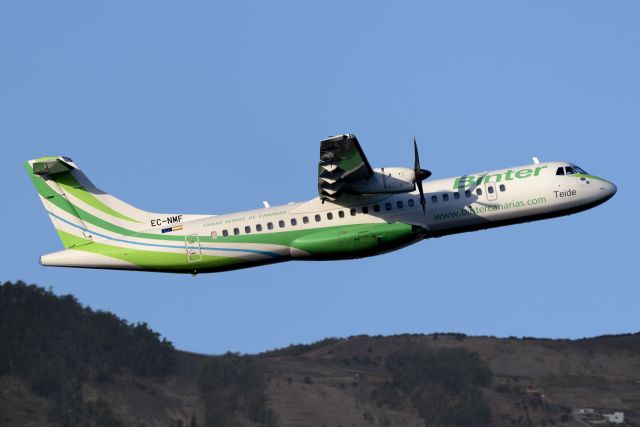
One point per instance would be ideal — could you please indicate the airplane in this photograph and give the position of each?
(360, 211)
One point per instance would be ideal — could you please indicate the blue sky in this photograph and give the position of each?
(205, 107)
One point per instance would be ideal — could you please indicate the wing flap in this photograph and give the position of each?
(341, 161)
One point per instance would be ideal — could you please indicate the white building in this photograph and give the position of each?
(614, 417)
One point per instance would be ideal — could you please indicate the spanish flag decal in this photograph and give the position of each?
(170, 229)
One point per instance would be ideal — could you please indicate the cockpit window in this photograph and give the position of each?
(570, 170)
(579, 170)
(560, 171)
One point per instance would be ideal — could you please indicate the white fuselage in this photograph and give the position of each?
(476, 206)
(357, 226)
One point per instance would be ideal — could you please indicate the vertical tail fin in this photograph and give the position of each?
(62, 213)
(80, 212)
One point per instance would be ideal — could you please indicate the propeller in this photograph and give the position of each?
(419, 175)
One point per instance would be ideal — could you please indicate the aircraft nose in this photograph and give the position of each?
(609, 188)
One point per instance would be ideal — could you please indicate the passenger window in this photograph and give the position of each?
(479, 191)
(258, 227)
(445, 197)
(411, 203)
(490, 189)
(305, 220)
(387, 206)
(236, 231)
(225, 233)
(341, 214)
(329, 216)
(467, 193)
(281, 224)
(214, 235)
(399, 204)
(365, 210)
(317, 218)
(434, 199)
(270, 225)
(247, 229)
(560, 171)
(502, 187)
(456, 195)
(294, 222)
(352, 212)
(376, 208)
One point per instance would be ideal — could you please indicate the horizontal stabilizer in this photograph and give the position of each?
(83, 258)
(52, 165)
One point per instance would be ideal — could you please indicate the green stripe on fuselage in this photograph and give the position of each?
(155, 260)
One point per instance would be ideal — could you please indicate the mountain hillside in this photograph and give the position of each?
(64, 364)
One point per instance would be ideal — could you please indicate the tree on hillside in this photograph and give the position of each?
(231, 384)
(57, 345)
(443, 385)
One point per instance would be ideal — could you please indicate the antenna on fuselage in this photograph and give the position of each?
(535, 160)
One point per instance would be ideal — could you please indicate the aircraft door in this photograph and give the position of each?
(192, 245)
(491, 190)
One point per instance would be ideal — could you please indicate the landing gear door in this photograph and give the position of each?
(192, 245)
(491, 191)
(364, 240)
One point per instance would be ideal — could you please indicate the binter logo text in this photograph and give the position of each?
(471, 180)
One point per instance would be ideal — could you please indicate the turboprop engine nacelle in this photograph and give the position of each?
(385, 180)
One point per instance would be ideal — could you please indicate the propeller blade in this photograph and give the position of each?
(423, 201)
(416, 156)
(419, 175)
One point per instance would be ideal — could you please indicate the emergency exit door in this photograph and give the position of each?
(192, 245)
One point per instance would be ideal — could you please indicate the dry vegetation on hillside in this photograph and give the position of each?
(62, 364)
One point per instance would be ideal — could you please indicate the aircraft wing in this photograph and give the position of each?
(342, 162)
